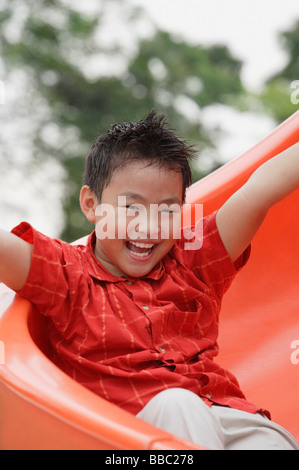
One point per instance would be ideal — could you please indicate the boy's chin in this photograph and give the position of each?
(137, 273)
(138, 270)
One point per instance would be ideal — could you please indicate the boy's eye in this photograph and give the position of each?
(168, 211)
(171, 210)
(162, 209)
(132, 208)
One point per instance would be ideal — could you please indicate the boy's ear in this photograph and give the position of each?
(88, 203)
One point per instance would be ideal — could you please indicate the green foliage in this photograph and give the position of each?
(53, 44)
(276, 95)
(276, 99)
(290, 41)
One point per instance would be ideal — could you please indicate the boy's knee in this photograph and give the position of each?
(184, 414)
(174, 399)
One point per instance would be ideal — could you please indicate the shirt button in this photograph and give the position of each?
(129, 282)
(145, 307)
(162, 350)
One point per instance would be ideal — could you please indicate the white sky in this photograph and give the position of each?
(249, 27)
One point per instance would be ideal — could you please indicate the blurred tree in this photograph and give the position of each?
(276, 95)
(70, 67)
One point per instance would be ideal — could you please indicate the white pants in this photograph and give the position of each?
(184, 414)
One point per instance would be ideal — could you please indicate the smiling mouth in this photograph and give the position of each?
(141, 250)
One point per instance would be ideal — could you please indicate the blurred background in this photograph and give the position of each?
(221, 71)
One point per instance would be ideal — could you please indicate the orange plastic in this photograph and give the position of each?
(42, 408)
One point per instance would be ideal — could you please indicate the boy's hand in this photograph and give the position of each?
(241, 216)
(15, 260)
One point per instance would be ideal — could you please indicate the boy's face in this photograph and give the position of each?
(138, 219)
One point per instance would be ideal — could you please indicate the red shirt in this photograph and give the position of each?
(128, 339)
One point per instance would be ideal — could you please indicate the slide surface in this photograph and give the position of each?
(42, 408)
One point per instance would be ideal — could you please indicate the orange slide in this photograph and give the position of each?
(42, 408)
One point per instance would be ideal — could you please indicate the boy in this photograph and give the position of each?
(133, 316)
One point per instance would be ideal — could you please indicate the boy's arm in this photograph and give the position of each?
(241, 216)
(15, 260)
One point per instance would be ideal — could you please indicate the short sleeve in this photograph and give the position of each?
(49, 284)
(209, 260)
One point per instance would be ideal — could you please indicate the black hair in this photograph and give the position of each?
(149, 139)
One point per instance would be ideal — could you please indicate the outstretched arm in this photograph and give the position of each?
(241, 216)
(15, 260)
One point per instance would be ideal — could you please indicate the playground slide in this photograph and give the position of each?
(42, 408)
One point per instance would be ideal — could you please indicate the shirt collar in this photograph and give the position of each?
(99, 272)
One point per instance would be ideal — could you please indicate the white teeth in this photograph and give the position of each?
(142, 245)
(148, 246)
(141, 254)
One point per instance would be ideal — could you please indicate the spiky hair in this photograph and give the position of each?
(149, 139)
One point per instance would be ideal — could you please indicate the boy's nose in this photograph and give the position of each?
(154, 227)
(149, 226)
(145, 226)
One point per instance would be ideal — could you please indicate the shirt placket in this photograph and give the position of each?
(144, 298)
